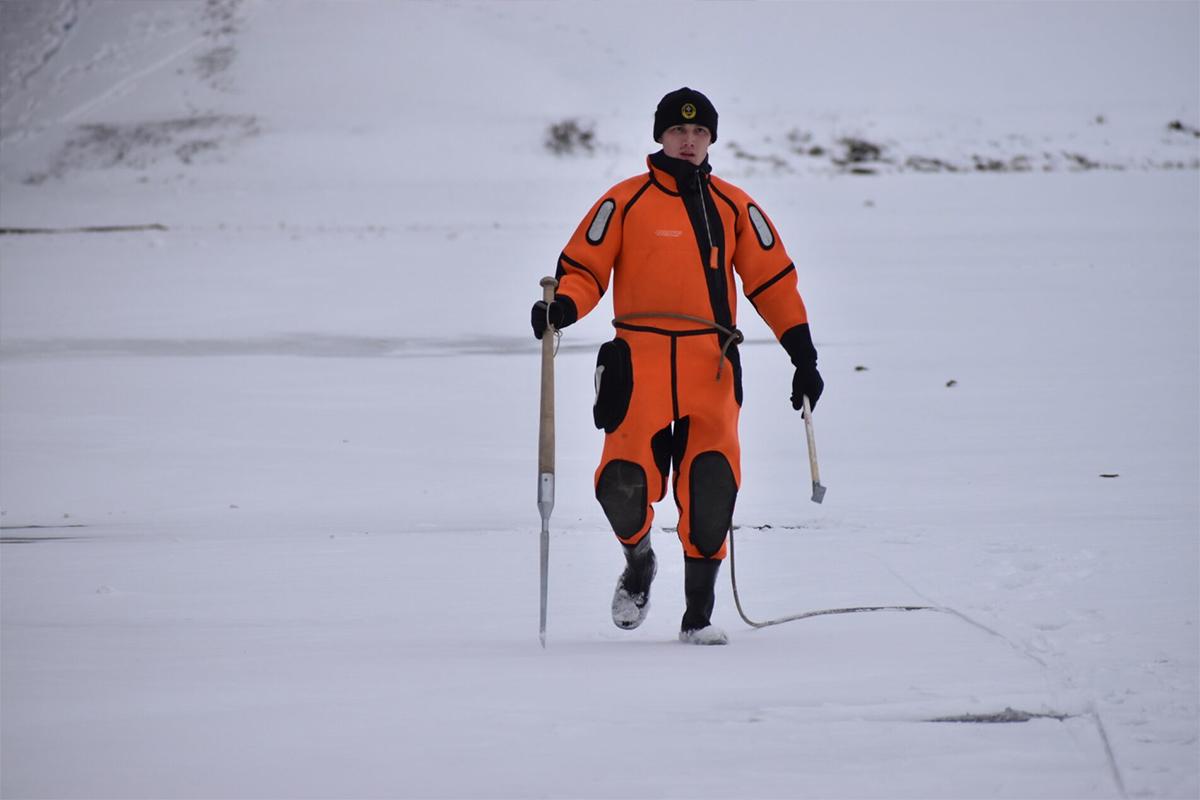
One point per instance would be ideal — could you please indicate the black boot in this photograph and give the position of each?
(699, 582)
(631, 600)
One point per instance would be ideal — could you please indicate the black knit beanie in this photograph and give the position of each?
(684, 107)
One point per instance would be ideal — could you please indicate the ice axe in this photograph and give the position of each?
(818, 490)
(545, 492)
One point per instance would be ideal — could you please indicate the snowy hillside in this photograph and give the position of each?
(268, 402)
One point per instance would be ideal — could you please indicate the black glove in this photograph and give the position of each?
(807, 381)
(561, 314)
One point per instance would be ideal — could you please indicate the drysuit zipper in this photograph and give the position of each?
(713, 255)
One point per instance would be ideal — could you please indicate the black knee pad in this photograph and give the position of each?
(714, 492)
(621, 491)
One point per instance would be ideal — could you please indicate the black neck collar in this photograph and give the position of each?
(678, 167)
(685, 173)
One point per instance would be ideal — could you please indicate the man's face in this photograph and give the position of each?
(688, 142)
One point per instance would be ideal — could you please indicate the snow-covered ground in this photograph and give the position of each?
(267, 468)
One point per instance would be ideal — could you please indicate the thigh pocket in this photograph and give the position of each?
(614, 384)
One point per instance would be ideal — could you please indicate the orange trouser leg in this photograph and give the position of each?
(631, 475)
(679, 416)
(708, 472)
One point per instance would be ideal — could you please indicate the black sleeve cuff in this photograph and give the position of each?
(570, 314)
(798, 343)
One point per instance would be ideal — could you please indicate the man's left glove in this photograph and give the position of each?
(560, 314)
(798, 343)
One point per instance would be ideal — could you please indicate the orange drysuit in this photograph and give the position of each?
(669, 386)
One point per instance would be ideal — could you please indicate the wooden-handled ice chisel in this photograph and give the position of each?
(818, 490)
(545, 493)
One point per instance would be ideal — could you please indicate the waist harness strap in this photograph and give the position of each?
(731, 336)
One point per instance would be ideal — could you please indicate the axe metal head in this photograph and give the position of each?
(818, 492)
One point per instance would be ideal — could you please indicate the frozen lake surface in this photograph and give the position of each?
(267, 468)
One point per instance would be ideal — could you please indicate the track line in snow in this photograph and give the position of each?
(292, 345)
(128, 80)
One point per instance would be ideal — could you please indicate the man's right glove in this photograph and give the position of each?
(561, 313)
(798, 343)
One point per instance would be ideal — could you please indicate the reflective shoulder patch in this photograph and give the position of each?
(599, 226)
(762, 229)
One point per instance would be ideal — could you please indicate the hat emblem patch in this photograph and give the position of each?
(688, 111)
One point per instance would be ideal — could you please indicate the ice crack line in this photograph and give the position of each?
(1009, 714)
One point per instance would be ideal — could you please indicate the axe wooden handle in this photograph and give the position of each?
(546, 425)
(818, 490)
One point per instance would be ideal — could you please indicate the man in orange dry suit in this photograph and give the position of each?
(668, 387)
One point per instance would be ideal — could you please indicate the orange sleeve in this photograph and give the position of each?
(768, 274)
(586, 263)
